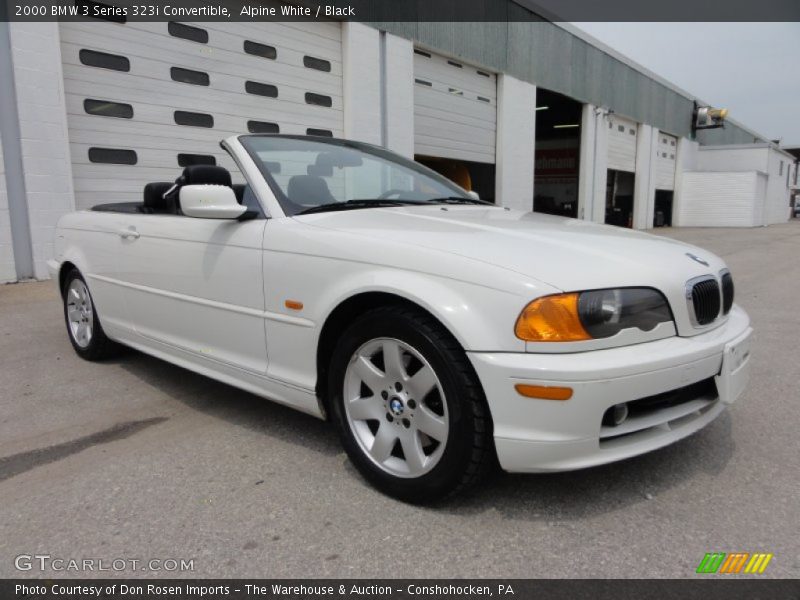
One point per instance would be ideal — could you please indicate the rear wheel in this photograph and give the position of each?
(83, 324)
(409, 407)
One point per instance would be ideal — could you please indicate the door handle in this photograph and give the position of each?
(128, 233)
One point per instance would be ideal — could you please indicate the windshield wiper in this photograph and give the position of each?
(459, 200)
(358, 203)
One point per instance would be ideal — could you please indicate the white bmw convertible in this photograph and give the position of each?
(438, 332)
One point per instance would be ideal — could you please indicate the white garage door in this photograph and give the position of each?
(665, 161)
(455, 109)
(621, 144)
(146, 99)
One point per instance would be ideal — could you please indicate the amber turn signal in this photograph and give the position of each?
(293, 305)
(551, 319)
(543, 392)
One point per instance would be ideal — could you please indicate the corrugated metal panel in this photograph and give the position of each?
(730, 134)
(455, 109)
(667, 149)
(622, 144)
(154, 96)
(715, 199)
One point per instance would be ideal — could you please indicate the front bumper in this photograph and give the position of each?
(545, 435)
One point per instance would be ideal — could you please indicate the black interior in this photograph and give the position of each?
(309, 189)
(154, 201)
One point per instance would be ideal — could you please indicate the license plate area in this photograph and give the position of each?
(735, 371)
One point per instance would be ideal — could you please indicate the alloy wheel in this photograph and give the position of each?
(395, 406)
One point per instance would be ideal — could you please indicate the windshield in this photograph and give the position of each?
(312, 175)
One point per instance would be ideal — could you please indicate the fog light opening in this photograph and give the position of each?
(616, 415)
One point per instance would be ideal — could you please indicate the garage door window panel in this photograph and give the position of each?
(112, 156)
(317, 64)
(263, 127)
(318, 99)
(103, 60)
(261, 89)
(193, 119)
(107, 108)
(190, 76)
(187, 32)
(185, 160)
(261, 50)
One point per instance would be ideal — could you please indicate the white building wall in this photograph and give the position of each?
(685, 161)
(516, 143)
(39, 87)
(400, 95)
(8, 270)
(361, 70)
(600, 179)
(644, 183)
(734, 158)
(586, 160)
(776, 202)
(378, 72)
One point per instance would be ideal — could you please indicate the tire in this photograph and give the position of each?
(425, 461)
(83, 323)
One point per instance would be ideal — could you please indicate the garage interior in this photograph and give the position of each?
(663, 209)
(619, 198)
(556, 162)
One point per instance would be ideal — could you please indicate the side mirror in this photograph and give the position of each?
(473, 195)
(210, 202)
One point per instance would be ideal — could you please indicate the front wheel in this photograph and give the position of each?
(409, 407)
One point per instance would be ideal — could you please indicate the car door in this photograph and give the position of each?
(196, 285)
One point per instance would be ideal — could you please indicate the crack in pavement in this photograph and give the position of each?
(17, 464)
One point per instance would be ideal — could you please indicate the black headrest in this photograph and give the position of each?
(206, 175)
(309, 189)
(238, 189)
(153, 197)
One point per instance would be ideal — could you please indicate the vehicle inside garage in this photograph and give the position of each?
(556, 163)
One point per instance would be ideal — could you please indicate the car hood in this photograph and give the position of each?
(568, 254)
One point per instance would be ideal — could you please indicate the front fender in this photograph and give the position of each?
(480, 317)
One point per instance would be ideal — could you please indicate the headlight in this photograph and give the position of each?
(591, 315)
